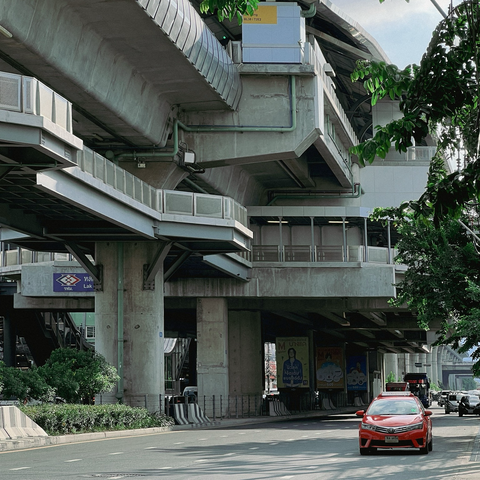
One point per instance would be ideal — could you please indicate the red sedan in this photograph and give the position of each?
(395, 420)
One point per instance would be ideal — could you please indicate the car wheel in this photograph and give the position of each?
(365, 451)
(424, 450)
(447, 412)
(460, 414)
(430, 445)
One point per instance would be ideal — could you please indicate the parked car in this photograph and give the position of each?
(451, 403)
(395, 420)
(467, 404)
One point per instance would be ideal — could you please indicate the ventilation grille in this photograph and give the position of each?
(10, 92)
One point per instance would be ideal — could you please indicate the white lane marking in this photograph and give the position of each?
(149, 448)
(165, 468)
(201, 460)
(20, 468)
(287, 476)
(275, 443)
(116, 453)
(227, 454)
(203, 438)
(73, 460)
(254, 448)
(179, 443)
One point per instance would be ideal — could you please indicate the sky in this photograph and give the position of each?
(402, 29)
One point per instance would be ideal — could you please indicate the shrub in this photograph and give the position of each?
(73, 418)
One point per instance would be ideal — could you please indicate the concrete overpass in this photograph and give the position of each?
(155, 156)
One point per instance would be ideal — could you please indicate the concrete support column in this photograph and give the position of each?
(391, 365)
(245, 357)
(140, 342)
(212, 349)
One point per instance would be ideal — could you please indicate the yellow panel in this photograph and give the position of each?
(263, 14)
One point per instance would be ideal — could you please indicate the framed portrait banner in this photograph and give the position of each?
(330, 368)
(292, 362)
(357, 373)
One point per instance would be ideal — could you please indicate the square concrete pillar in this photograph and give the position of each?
(141, 311)
(212, 352)
(246, 356)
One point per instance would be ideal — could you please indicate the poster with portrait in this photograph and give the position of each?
(292, 362)
(357, 373)
(330, 368)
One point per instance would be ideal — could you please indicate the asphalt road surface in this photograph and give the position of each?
(314, 448)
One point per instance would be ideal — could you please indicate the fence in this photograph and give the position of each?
(321, 253)
(218, 407)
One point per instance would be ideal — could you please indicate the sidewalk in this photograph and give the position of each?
(34, 442)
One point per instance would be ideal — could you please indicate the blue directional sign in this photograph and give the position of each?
(72, 282)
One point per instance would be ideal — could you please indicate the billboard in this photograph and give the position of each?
(292, 362)
(357, 373)
(330, 368)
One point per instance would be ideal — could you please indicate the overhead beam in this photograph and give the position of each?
(338, 43)
(95, 271)
(150, 271)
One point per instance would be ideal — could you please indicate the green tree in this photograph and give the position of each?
(439, 96)
(78, 376)
(229, 8)
(24, 384)
(469, 384)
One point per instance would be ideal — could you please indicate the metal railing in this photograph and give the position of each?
(164, 201)
(320, 253)
(218, 407)
(19, 93)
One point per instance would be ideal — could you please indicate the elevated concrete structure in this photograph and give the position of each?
(214, 199)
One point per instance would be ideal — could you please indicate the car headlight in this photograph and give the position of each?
(416, 426)
(367, 426)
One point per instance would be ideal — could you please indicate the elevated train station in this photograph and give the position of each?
(198, 173)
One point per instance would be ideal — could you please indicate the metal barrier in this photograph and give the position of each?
(217, 407)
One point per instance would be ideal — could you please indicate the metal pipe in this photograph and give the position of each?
(136, 154)
(389, 239)
(321, 194)
(251, 128)
(365, 239)
(439, 8)
(312, 230)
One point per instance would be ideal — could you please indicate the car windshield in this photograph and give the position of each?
(393, 407)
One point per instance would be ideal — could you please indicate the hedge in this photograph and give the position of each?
(73, 418)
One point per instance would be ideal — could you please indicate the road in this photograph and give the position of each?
(314, 448)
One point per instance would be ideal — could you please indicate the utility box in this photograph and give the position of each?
(275, 33)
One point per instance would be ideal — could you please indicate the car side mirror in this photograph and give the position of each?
(360, 413)
(428, 413)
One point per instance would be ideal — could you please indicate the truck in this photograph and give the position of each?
(419, 385)
(396, 386)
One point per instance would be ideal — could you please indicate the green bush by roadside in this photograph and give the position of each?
(73, 418)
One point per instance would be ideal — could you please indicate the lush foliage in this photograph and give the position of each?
(442, 281)
(469, 384)
(229, 8)
(66, 419)
(76, 376)
(24, 384)
(439, 96)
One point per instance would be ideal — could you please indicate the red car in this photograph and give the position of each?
(395, 420)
